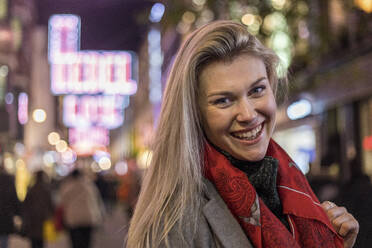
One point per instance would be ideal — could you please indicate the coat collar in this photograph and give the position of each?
(226, 228)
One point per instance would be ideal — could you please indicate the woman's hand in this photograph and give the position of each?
(344, 223)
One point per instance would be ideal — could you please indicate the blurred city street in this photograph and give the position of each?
(110, 234)
(81, 90)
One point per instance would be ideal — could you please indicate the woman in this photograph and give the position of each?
(216, 178)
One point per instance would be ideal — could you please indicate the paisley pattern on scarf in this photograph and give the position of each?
(310, 225)
(238, 190)
(316, 233)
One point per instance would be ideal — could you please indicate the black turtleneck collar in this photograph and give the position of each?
(262, 175)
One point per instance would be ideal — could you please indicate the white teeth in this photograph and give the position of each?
(248, 135)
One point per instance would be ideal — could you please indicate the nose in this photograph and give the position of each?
(246, 111)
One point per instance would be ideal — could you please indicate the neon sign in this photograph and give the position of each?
(85, 72)
(85, 141)
(102, 79)
(86, 111)
(64, 35)
(93, 73)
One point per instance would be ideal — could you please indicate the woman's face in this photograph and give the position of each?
(238, 106)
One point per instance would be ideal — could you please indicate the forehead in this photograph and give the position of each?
(238, 72)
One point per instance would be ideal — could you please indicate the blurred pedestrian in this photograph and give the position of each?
(103, 187)
(130, 185)
(37, 209)
(82, 208)
(9, 206)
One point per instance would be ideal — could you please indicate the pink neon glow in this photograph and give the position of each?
(94, 73)
(85, 72)
(23, 108)
(87, 141)
(64, 33)
(101, 110)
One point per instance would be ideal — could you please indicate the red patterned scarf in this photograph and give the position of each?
(309, 224)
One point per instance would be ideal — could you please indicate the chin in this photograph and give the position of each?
(253, 155)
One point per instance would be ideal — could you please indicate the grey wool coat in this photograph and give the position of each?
(217, 227)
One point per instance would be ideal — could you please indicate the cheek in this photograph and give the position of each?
(270, 103)
(214, 123)
(271, 109)
(210, 121)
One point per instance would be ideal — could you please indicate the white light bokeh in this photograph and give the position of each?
(104, 163)
(61, 146)
(121, 168)
(53, 138)
(39, 115)
(157, 12)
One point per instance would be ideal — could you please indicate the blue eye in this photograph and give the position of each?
(257, 90)
(222, 102)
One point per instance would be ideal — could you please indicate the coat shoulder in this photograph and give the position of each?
(188, 235)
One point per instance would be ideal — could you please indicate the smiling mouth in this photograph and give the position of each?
(248, 135)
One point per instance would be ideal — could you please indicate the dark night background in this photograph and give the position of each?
(105, 24)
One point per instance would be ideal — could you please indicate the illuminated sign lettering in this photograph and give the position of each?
(96, 85)
(86, 141)
(85, 72)
(64, 34)
(101, 110)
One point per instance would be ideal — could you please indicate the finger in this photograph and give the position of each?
(343, 224)
(336, 212)
(350, 237)
(349, 227)
(328, 205)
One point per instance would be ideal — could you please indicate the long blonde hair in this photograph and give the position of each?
(173, 183)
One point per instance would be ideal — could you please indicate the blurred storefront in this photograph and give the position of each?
(17, 19)
(339, 117)
(326, 45)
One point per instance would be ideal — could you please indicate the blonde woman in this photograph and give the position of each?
(217, 179)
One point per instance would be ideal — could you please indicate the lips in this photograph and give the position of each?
(248, 135)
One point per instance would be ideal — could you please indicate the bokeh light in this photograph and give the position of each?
(39, 115)
(365, 5)
(69, 156)
(121, 168)
(144, 159)
(9, 98)
(278, 4)
(4, 70)
(248, 19)
(61, 146)
(104, 163)
(9, 164)
(157, 12)
(188, 17)
(48, 159)
(53, 138)
(19, 149)
(20, 164)
(274, 21)
(95, 167)
(199, 2)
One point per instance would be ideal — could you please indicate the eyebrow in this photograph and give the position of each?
(217, 93)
